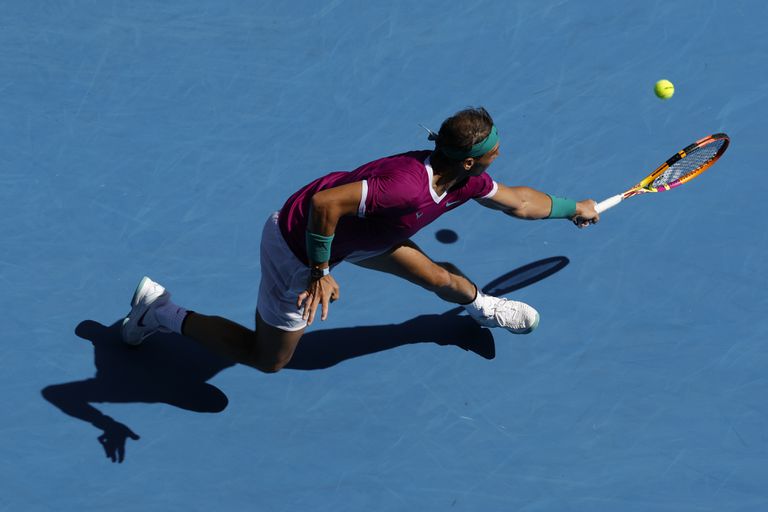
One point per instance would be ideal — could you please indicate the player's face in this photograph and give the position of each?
(485, 161)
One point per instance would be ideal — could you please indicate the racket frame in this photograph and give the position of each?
(645, 187)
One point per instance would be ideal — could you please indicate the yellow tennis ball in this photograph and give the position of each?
(664, 89)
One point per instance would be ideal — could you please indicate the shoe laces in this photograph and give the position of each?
(509, 313)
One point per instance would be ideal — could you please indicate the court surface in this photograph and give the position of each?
(156, 137)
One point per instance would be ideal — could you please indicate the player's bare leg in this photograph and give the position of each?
(408, 261)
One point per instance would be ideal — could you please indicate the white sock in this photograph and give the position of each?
(475, 307)
(170, 316)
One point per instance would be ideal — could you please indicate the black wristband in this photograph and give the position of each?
(319, 273)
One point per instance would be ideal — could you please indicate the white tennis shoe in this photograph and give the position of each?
(142, 322)
(514, 316)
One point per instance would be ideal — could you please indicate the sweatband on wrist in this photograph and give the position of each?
(562, 208)
(318, 247)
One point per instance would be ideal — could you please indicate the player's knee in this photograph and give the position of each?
(272, 364)
(265, 363)
(273, 348)
(269, 358)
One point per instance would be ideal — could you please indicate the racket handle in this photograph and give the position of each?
(609, 203)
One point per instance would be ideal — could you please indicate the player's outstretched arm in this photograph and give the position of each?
(528, 203)
(327, 207)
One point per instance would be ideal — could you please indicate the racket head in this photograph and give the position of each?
(685, 165)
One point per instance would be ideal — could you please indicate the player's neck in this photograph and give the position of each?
(445, 175)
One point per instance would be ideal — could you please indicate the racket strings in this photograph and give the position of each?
(690, 164)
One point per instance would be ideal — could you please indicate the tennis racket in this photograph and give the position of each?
(681, 168)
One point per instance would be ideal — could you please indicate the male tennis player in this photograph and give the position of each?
(367, 217)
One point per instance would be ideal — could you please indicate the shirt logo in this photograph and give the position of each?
(448, 204)
(419, 214)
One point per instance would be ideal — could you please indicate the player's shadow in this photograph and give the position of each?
(328, 347)
(170, 369)
(173, 370)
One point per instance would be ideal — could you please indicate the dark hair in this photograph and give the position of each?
(464, 129)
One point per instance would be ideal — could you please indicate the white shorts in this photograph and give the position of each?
(283, 278)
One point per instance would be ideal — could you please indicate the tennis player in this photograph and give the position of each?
(367, 217)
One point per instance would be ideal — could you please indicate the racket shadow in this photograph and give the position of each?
(521, 277)
(325, 348)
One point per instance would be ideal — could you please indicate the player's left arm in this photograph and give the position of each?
(529, 203)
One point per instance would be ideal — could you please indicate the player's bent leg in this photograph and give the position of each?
(267, 349)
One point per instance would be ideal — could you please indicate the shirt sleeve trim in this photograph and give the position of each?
(492, 192)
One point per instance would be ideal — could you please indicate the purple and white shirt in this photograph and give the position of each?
(397, 201)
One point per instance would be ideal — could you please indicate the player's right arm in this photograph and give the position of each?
(528, 203)
(326, 208)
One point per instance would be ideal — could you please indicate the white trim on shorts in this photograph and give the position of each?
(363, 197)
(283, 278)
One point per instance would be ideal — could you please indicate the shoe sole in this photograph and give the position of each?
(135, 299)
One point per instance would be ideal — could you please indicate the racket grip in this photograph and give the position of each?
(609, 203)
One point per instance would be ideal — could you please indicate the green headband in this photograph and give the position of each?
(476, 150)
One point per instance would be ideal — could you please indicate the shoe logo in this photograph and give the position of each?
(141, 318)
(419, 214)
(450, 203)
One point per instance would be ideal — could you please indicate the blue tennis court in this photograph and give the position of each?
(154, 138)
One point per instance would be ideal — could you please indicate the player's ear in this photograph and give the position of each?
(468, 163)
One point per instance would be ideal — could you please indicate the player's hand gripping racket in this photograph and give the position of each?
(681, 168)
